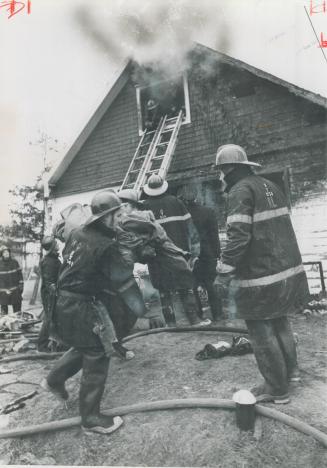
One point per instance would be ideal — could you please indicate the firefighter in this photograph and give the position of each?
(80, 319)
(153, 113)
(11, 282)
(262, 270)
(49, 268)
(172, 215)
(206, 223)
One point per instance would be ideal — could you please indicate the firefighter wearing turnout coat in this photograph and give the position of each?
(173, 216)
(11, 282)
(80, 319)
(262, 268)
(49, 268)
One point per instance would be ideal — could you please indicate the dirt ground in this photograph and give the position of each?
(165, 368)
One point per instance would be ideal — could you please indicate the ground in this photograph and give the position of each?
(165, 368)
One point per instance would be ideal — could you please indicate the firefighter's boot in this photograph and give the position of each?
(190, 306)
(95, 371)
(168, 308)
(67, 366)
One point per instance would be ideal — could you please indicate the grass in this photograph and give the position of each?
(165, 368)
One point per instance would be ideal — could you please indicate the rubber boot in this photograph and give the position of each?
(189, 305)
(95, 372)
(215, 302)
(67, 366)
(168, 308)
(198, 303)
(288, 346)
(269, 355)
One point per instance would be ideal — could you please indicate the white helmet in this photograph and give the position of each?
(233, 154)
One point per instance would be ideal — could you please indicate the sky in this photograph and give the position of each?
(59, 61)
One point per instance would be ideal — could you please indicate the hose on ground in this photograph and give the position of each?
(31, 357)
(166, 405)
(50, 356)
(193, 328)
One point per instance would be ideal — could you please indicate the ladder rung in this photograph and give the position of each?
(162, 144)
(161, 156)
(153, 170)
(140, 157)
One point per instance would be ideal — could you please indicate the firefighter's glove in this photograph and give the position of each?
(156, 322)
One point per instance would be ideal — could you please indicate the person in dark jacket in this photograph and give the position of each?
(204, 270)
(49, 270)
(173, 216)
(80, 319)
(262, 269)
(11, 282)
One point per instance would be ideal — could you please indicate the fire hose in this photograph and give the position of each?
(212, 403)
(50, 356)
(164, 404)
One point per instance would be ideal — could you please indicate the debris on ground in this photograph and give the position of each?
(240, 346)
(18, 403)
(316, 308)
(22, 346)
(3, 370)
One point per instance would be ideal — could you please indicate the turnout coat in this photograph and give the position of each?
(11, 281)
(169, 270)
(78, 312)
(49, 266)
(261, 244)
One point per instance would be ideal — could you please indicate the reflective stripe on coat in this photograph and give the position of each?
(261, 244)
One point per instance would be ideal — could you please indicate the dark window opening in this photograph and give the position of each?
(242, 90)
(160, 99)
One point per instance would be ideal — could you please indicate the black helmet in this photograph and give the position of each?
(48, 242)
(102, 203)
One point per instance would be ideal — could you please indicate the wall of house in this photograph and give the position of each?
(276, 127)
(104, 158)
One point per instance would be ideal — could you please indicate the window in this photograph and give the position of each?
(167, 97)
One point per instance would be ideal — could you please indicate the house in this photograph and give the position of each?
(224, 100)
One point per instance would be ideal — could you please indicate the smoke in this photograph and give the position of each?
(160, 32)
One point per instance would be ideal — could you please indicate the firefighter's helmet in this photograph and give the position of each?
(102, 203)
(129, 195)
(48, 242)
(155, 186)
(233, 154)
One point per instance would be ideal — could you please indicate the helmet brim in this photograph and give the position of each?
(245, 163)
(97, 216)
(153, 192)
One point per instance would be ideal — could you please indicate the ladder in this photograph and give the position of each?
(154, 153)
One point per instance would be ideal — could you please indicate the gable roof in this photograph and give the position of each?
(123, 77)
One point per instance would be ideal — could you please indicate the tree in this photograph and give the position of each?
(28, 213)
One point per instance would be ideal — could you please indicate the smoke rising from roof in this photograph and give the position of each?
(153, 32)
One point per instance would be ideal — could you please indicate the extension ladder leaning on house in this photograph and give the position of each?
(154, 153)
